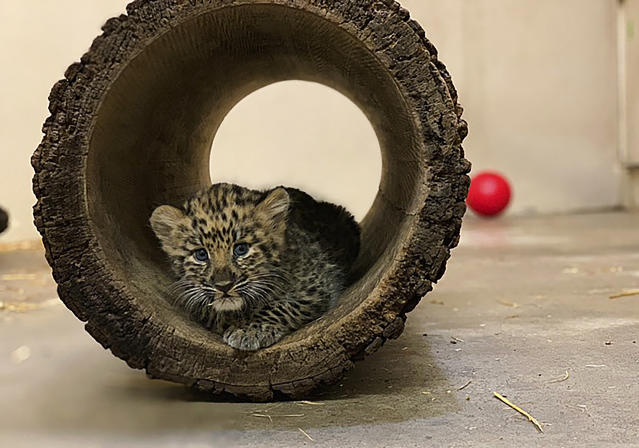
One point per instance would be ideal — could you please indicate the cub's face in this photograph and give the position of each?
(225, 245)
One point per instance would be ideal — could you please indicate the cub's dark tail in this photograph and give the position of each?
(340, 233)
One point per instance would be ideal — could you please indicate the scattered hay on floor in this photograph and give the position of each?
(530, 418)
(263, 416)
(270, 416)
(306, 435)
(628, 293)
(508, 303)
(560, 380)
(465, 385)
(21, 245)
(23, 307)
(18, 276)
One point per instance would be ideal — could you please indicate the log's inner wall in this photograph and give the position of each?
(151, 140)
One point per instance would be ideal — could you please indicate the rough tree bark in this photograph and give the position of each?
(131, 127)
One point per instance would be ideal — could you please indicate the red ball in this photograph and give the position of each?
(489, 193)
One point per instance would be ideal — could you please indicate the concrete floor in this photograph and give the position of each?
(523, 310)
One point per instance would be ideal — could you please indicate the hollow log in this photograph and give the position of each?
(131, 127)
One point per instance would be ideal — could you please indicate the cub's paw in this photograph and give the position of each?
(252, 337)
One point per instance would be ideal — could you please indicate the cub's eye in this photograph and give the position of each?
(201, 255)
(240, 249)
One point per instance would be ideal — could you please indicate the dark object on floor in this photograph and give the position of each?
(4, 220)
(131, 128)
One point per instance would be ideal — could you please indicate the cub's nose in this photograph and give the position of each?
(224, 287)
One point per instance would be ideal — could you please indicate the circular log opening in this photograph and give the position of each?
(152, 93)
(304, 135)
(154, 129)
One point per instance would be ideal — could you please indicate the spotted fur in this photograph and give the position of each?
(299, 253)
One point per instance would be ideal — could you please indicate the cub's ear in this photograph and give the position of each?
(275, 206)
(165, 222)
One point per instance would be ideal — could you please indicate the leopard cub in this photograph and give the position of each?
(254, 266)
